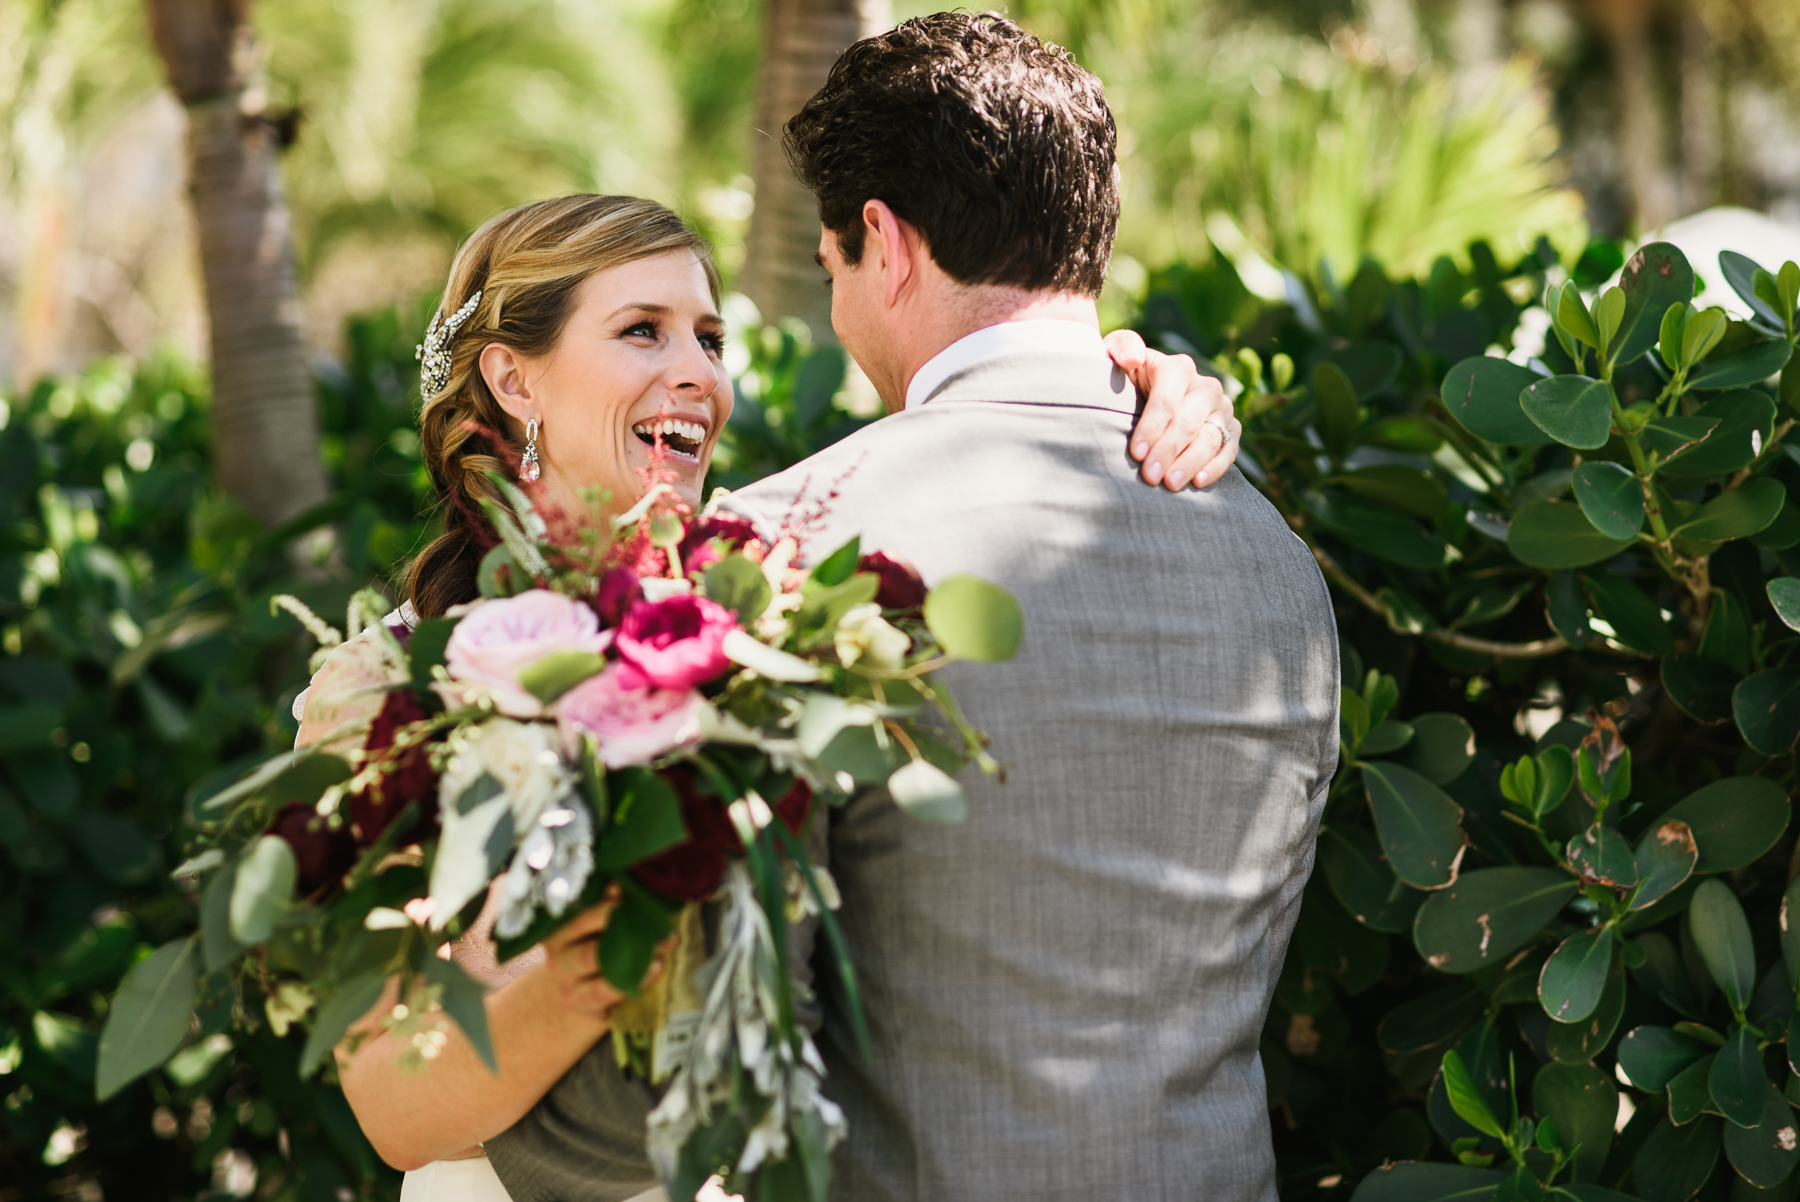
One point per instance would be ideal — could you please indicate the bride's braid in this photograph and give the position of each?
(527, 263)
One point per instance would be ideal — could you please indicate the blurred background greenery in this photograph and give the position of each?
(1271, 151)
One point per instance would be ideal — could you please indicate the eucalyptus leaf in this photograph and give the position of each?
(263, 889)
(928, 793)
(974, 620)
(352, 1000)
(149, 1018)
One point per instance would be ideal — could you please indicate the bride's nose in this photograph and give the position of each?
(692, 370)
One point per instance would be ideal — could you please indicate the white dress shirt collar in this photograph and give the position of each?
(1039, 335)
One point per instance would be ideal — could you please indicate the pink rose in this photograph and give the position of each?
(675, 643)
(501, 638)
(631, 725)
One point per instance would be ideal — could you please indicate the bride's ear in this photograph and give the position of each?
(504, 371)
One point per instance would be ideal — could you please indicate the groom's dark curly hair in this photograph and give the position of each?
(998, 147)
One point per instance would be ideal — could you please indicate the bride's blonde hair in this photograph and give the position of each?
(527, 263)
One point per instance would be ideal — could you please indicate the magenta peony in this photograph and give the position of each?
(501, 638)
(631, 725)
(675, 643)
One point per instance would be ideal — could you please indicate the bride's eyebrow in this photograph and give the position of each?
(660, 311)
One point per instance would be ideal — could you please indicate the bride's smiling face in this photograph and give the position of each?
(641, 355)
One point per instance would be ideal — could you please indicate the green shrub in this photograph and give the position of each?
(1551, 874)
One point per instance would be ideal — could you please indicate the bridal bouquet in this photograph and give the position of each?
(658, 706)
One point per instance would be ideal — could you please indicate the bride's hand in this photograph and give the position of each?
(1188, 432)
(572, 962)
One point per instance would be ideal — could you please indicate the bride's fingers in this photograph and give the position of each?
(1189, 399)
(1127, 350)
(1206, 460)
(586, 925)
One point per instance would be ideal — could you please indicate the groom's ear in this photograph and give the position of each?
(897, 247)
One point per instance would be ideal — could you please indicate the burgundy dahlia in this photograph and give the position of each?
(410, 778)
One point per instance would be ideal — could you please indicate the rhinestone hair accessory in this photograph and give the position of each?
(433, 354)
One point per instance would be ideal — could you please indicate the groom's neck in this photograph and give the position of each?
(961, 310)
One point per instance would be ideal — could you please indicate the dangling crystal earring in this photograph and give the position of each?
(528, 466)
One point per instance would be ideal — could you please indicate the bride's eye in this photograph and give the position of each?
(642, 329)
(712, 340)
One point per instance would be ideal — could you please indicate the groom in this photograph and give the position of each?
(1065, 991)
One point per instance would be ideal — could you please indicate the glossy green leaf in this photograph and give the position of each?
(1636, 620)
(1611, 497)
(1654, 1056)
(1583, 1103)
(1420, 827)
(1488, 915)
(1674, 1162)
(1379, 531)
(1767, 709)
(1657, 276)
(1572, 316)
(1441, 747)
(1466, 1099)
(1566, 609)
(1700, 685)
(1335, 399)
(1482, 394)
(1788, 922)
(1746, 419)
(1737, 512)
(975, 620)
(263, 890)
(1734, 821)
(464, 1000)
(1752, 365)
(1407, 432)
(1580, 1042)
(1764, 1154)
(1556, 534)
(1722, 934)
(1609, 310)
(1666, 436)
(1666, 857)
(1389, 737)
(1783, 532)
(149, 1018)
(1422, 1181)
(1737, 1081)
(1360, 878)
(1405, 488)
(1430, 1020)
(1574, 976)
(1668, 342)
(1740, 272)
(1701, 333)
(217, 945)
(1784, 595)
(1690, 1091)
(1602, 856)
(1574, 410)
(646, 821)
(840, 565)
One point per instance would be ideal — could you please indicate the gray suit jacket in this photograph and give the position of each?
(1065, 992)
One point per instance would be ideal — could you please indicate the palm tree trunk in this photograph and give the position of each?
(265, 416)
(1626, 26)
(802, 39)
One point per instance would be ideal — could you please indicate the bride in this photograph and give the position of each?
(583, 330)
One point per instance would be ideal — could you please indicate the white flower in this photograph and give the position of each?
(550, 869)
(502, 776)
(862, 633)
